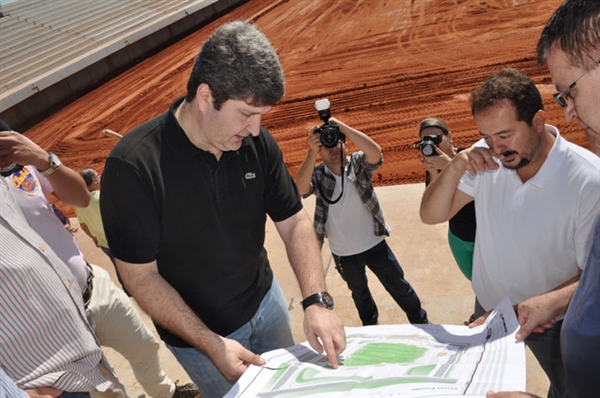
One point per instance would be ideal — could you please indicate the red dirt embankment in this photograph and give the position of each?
(384, 65)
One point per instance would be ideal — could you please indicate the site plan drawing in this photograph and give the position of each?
(398, 361)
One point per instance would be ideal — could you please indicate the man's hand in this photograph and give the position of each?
(67, 184)
(16, 148)
(479, 321)
(233, 359)
(539, 313)
(314, 140)
(476, 159)
(536, 314)
(324, 324)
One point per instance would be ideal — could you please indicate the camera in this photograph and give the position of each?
(330, 131)
(10, 169)
(427, 144)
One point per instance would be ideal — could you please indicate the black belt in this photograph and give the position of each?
(89, 287)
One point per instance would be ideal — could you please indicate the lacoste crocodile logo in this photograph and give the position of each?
(250, 176)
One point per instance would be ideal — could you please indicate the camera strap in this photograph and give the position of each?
(325, 198)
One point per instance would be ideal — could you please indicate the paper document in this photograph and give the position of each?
(398, 361)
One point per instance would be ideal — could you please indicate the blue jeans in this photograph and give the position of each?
(269, 329)
(381, 260)
(75, 395)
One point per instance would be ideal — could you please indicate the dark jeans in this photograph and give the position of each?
(76, 395)
(546, 349)
(384, 265)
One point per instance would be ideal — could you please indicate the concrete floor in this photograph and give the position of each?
(422, 251)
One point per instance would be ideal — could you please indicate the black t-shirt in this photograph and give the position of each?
(463, 225)
(202, 220)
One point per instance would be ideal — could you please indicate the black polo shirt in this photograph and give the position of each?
(202, 220)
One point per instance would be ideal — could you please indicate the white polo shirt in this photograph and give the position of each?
(533, 236)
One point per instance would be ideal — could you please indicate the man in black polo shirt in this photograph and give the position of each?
(184, 202)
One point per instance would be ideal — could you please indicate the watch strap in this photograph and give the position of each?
(322, 298)
(54, 164)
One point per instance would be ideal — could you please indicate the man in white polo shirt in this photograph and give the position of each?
(536, 198)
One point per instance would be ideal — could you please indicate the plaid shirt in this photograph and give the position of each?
(359, 172)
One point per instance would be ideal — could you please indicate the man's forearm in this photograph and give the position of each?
(304, 173)
(165, 306)
(69, 187)
(439, 197)
(365, 143)
(563, 294)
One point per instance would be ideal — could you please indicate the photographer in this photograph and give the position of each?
(461, 231)
(343, 220)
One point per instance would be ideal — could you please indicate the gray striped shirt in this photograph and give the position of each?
(45, 340)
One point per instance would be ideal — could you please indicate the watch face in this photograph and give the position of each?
(327, 300)
(54, 161)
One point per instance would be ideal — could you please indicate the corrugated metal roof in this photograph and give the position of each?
(43, 41)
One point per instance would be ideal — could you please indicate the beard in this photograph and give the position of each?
(522, 163)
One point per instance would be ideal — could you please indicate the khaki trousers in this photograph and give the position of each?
(118, 325)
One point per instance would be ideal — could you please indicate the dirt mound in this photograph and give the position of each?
(384, 65)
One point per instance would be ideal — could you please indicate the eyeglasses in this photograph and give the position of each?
(564, 95)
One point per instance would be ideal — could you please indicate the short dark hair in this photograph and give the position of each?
(238, 62)
(88, 174)
(575, 29)
(512, 85)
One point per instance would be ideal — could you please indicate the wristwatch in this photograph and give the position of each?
(54, 164)
(322, 298)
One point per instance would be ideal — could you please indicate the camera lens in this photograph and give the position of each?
(428, 149)
(330, 134)
(428, 144)
(329, 137)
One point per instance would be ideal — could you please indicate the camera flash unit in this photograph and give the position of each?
(322, 104)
